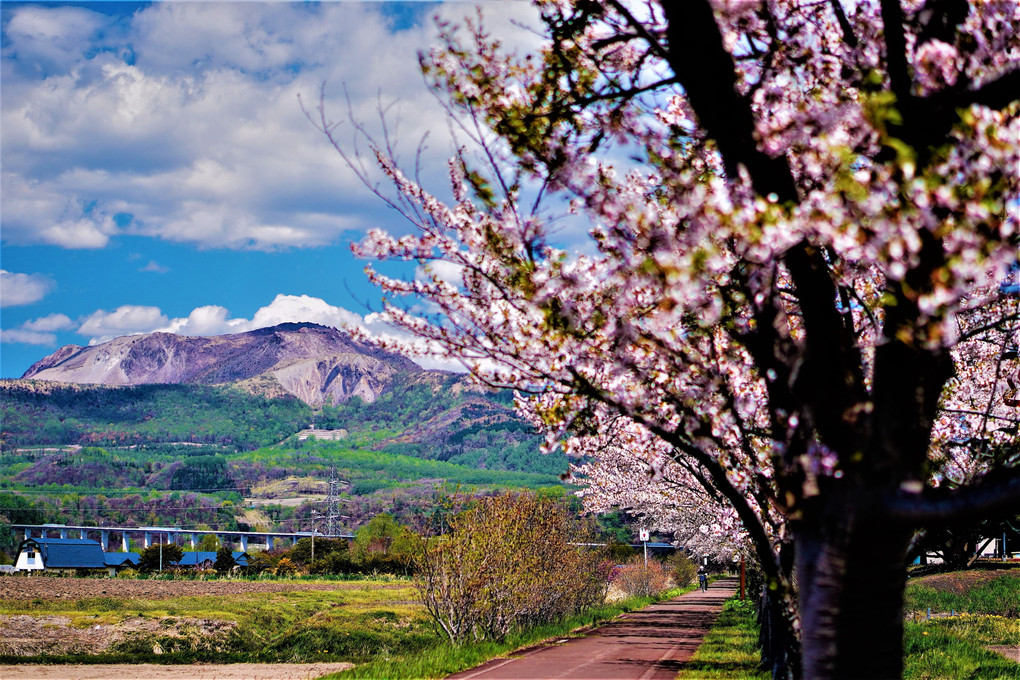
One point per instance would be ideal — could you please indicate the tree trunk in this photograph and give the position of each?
(780, 648)
(851, 580)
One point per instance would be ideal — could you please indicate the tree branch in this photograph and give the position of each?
(998, 493)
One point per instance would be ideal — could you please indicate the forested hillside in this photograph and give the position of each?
(423, 416)
(192, 455)
(39, 413)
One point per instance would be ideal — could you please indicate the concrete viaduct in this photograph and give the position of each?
(153, 535)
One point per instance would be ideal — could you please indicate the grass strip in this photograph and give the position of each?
(445, 658)
(730, 650)
(997, 595)
(951, 648)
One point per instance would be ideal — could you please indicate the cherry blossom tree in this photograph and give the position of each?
(802, 215)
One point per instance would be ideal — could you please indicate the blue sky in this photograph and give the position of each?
(158, 172)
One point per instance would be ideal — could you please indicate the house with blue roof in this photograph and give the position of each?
(60, 555)
(70, 555)
(121, 560)
(204, 559)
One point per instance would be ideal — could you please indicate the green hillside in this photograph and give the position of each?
(188, 455)
(433, 417)
(38, 413)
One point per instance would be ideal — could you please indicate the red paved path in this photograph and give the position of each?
(650, 644)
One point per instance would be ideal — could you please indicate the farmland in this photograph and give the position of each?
(82, 620)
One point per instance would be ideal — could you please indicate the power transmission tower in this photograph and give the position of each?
(333, 515)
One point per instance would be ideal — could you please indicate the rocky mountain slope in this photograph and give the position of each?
(316, 364)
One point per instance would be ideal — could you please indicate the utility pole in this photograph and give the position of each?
(315, 530)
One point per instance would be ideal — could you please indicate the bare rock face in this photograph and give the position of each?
(314, 363)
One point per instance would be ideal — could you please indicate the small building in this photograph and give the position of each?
(116, 561)
(205, 559)
(61, 555)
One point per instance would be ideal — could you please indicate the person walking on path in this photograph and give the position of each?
(649, 644)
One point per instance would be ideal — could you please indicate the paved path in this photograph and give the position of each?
(650, 644)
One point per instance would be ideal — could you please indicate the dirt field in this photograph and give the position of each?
(48, 588)
(45, 634)
(236, 671)
(22, 635)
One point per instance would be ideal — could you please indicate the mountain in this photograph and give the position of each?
(316, 364)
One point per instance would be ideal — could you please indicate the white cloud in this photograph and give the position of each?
(207, 320)
(101, 325)
(155, 267)
(182, 123)
(294, 308)
(38, 331)
(22, 336)
(37, 211)
(52, 39)
(49, 323)
(23, 289)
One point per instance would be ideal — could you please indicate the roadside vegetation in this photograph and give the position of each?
(972, 613)
(730, 650)
(445, 658)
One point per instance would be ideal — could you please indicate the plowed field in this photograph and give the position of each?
(48, 587)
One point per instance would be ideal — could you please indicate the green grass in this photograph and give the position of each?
(443, 659)
(955, 647)
(730, 650)
(998, 595)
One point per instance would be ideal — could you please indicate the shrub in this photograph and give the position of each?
(638, 579)
(507, 564)
(259, 562)
(681, 568)
(285, 566)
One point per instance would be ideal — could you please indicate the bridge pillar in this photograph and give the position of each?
(104, 540)
(63, 533)
(192, 541)
(244, 543)
(269, 542)
(82, 533)
(148, 539)
(28, 534)
(123, 541)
